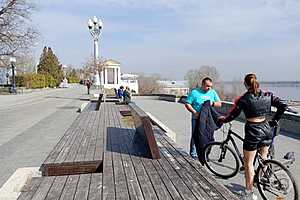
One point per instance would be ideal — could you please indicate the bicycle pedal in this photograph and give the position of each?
(289, 156)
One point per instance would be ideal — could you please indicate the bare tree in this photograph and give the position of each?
(195, 76)
(237, 88)
(16, 31)
(149, 84)
(26, 63)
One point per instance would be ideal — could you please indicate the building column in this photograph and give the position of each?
(115, 76)
(101, 77)
(105, 75)
(119, 75)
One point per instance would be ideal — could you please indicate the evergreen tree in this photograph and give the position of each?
(42, 65)
(49, 66)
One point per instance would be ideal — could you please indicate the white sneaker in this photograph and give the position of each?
(248, 195)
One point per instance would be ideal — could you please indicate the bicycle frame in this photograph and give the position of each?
(271, 153)
(231, 139)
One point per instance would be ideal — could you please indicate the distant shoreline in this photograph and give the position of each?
(282, 84)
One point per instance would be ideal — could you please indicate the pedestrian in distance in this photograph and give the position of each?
(88, 85)
(256, 105)
(120, 93)
(127, 95)
(194, 102)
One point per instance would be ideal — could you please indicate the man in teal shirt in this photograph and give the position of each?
(194, 102)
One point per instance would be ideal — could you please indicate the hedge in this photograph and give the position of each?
(36, 81)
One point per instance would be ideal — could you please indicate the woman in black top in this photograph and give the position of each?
(255, 104)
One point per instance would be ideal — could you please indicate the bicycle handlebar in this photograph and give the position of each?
(291, 110)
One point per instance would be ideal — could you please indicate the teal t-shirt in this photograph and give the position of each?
(198, 96)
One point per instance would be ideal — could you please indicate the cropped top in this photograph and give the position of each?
(256, 106)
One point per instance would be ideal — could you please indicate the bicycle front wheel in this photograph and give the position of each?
(221, 160)
(275, 180)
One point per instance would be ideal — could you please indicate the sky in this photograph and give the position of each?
(170, 37)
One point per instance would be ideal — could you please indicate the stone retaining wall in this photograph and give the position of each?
(290, 123)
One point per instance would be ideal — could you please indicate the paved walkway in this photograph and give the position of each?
(31, 124)
(175, 117)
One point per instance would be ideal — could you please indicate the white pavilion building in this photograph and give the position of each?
(111, 77)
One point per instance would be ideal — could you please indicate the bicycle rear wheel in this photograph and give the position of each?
(221, 160)
(275, 180)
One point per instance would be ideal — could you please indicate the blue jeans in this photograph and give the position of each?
(193, 151)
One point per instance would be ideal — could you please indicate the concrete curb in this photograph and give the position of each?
(82, 107)
(171, 134)
(13, 186)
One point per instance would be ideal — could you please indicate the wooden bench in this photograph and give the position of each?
(144, 134)
(80, 150)
(129, 175)
(77, 187)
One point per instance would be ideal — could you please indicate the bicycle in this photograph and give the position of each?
(271, 177)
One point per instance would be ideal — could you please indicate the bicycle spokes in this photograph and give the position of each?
(221, 160)
(276, 181)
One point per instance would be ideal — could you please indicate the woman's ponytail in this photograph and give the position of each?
(253, 84)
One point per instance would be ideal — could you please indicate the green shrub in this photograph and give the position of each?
(51, 81)
(31, 80)
(73, 80)
(73, 77)
(20, 80)
(38, 81)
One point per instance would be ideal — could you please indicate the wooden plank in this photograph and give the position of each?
(42, 191)
(119, 171)
(119, 175)
(83, 185)
(95, 191)
(180, 185)
(108, 177)
(163, 187)
(71, 168)
(98, 151)
(83, 145)
(56, 188)
(137, 178)
(144, 180)
(108, 173)
(75, 146)
(69, 134)
(134, 189)
(67, 147)
(69, 190)
(30, 189)
(194, 183)
(142, 177)
(157, 182)
(168, 183)
(103, 115)
(90, 151)
(210, 180)
(140, 172)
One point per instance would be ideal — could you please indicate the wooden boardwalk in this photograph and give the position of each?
(80, 150)
(125, 173)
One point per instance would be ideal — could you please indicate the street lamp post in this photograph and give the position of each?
(13, 63)
(95, 26)
(7, 77)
